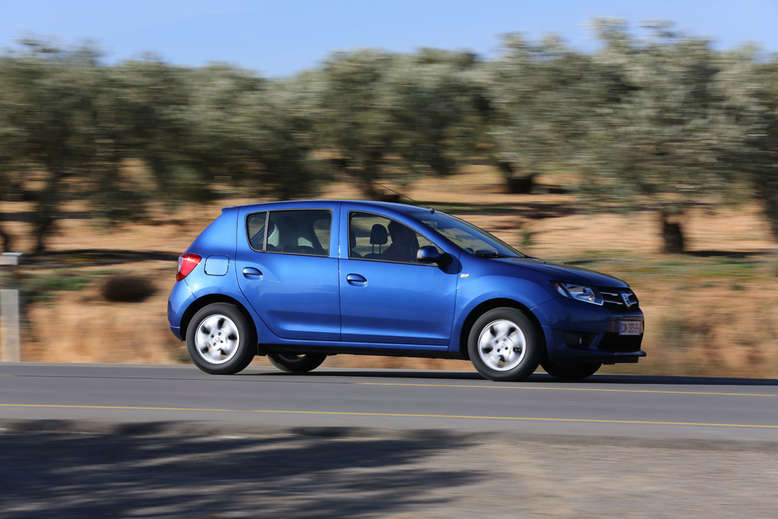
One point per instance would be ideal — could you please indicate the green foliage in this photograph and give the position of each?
(540, 95)
(42, 287)
(426, 104)
(147, 100)
(400, 116)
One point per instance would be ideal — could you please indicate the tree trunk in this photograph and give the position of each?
(365, 177)
(672, 233)
(368, 187)
(43, 226)
(514, 183)
(768, 191)
(7, 239)
(44, 218)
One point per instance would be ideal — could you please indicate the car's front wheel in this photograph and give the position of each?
(504, 344)
(296, 362)
(220, 339)
(570, 371)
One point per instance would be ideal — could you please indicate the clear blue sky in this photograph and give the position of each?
(280, 37)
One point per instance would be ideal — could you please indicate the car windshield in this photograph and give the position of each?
(467, 236)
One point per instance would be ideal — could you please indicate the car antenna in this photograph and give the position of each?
(402, 195)
(399, 195)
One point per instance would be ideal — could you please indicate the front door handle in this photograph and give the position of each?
(251, 272)
(356, 279)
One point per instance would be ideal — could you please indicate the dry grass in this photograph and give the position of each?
(713, 313)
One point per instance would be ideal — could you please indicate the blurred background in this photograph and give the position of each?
(645, 149)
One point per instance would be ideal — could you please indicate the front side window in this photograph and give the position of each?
(380, 238)
(299, 231)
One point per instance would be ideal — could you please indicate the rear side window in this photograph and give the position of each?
(299, 231)
(255, 227)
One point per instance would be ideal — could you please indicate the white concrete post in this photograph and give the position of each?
(9, 309)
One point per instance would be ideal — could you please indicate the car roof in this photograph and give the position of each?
(404, 208)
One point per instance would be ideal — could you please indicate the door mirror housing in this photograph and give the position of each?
(428, 254)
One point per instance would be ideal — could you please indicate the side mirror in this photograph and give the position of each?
(428, 254)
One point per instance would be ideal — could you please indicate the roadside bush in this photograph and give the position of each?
(127, 289)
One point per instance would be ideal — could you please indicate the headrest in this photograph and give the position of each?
(378, 235)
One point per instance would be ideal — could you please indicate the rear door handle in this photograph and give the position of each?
(356, 279)
(251, 272)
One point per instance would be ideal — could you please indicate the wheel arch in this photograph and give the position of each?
(490, 304)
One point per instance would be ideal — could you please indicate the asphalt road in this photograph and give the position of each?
(676, 408)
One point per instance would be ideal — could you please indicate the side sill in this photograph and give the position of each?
(359, 350)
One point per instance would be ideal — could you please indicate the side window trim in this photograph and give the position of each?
(264, 238)
(348, 239)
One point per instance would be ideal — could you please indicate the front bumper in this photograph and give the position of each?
(577, 331)
(605, 347)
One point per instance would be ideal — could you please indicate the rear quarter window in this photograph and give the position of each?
(255, 228)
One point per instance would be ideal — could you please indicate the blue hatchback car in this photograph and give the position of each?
(301, 280)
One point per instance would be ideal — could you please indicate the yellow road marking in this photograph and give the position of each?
(392, 415)
(540, 388)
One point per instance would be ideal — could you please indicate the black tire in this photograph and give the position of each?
(246, 340)
(571, 370)
(532, 349)
(296, 362)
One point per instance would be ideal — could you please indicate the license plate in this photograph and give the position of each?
(630, 327)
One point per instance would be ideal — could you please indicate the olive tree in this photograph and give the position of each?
(52, 127)
(394, 116)
(429, 99)
(666, 140)
(249, 132)
(147, 101)
(538, 96)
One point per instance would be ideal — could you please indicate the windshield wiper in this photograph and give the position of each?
(485, 254)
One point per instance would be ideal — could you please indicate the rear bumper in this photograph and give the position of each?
(177, 332)
(180, 298)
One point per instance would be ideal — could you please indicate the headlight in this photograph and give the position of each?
(579, 292)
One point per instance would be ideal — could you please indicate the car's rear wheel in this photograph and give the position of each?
(570, 370)
(220, 339)
(504, 344)
(296, 362)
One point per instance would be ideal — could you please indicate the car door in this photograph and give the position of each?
(386, 296)
(287, 268)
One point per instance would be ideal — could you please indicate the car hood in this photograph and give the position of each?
(564, 273)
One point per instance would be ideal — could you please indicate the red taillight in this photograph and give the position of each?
(186, 264)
